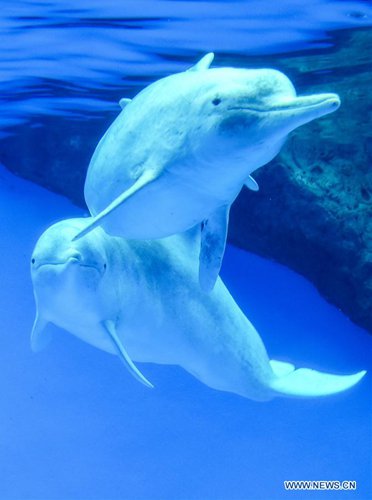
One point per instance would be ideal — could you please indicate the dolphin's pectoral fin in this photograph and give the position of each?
(305, 382)
(204, 63)
(146, 178)
(251, 184)
(39, 338)
(123, 355)
(124, 101)
(212, 247)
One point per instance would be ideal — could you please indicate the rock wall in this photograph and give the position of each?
(314, 211)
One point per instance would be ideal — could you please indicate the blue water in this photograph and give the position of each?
(73, 423)
(70, 58)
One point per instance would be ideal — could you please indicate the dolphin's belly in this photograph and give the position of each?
(165, 207)
(206, 334)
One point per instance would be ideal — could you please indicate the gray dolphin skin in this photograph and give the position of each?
(140, 300)
(179, 153)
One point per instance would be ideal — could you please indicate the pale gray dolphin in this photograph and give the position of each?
(179, 153)
(141, 301)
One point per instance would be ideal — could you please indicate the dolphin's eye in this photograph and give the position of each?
(32, 261)
(104, 266)
(216, 101)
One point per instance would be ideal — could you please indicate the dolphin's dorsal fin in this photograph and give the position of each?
(109, 326)
(124, 101)
(251, 184)
(212, 247)
(147, 177)
(39, 337)
(305, 382)
(204, 63)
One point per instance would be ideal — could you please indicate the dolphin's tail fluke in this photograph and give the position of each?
(305, 382)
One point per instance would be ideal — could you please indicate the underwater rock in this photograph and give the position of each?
(313, 210)
(54, 153)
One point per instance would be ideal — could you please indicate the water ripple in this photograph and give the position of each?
(104, 46)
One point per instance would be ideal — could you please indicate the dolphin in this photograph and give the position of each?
(141, 301)
(179, 153)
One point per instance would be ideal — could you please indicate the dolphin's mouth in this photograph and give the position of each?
(72, 260)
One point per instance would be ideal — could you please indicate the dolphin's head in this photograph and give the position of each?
(56, 254)
(249, 113)
(67, 275)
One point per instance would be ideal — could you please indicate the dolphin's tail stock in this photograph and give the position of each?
(305, 382)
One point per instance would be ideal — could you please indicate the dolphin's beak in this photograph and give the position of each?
(301, 110)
